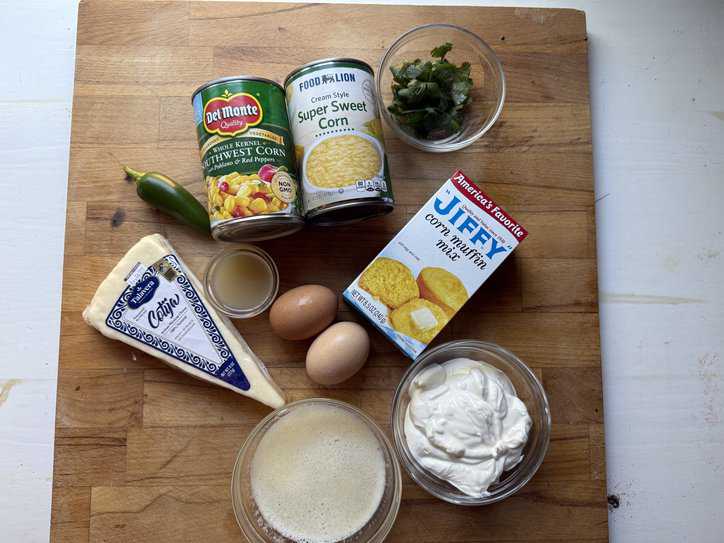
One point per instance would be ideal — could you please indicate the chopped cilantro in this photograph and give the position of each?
(429, 96)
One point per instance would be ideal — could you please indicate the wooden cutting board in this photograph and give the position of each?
(143, 453)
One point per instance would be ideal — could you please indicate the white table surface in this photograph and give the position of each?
(657, 92)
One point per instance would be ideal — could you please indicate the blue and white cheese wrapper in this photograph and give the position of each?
(153, 302)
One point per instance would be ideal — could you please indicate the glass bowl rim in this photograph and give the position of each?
(385, 525)
(411, 465)
(432, 145)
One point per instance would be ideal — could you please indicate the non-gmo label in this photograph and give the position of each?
(284, 187)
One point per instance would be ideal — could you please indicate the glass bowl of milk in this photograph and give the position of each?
(316, 471)
(471, 422)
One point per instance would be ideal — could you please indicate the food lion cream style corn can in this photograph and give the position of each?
(338, 141)
(247, 154)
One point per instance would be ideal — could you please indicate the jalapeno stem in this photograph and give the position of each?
(133, 174)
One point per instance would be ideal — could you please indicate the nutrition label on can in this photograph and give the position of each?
(371, 185)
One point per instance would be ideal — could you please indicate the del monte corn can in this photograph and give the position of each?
(247, 154)
(339, 145)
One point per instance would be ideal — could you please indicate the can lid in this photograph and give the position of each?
(221, 80)
(257, 228)
(321, 62)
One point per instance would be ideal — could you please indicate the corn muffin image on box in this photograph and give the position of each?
(417, 283)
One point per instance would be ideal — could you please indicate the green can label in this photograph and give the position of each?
(246, 150)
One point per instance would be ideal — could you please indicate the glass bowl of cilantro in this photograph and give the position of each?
(440, 87)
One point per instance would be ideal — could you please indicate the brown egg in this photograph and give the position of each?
(303, 312)
(338, 353)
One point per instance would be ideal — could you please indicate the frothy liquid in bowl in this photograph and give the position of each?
(318, 474)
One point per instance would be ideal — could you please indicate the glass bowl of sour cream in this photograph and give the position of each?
(471, 422)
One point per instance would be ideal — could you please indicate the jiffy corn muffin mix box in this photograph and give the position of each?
(439, 259)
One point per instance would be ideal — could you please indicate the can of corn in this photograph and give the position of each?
(338, 141)
(247, 155)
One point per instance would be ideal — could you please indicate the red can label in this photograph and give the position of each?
(232, 114)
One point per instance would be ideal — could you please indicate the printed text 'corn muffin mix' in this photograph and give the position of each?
(434, 264)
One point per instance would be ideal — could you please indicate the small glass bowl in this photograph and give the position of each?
(487, 95)
(250, 519)
(241, 312)
(529, 390)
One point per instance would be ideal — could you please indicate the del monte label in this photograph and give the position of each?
(231, 114)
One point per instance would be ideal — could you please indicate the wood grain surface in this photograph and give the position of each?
(134, 438)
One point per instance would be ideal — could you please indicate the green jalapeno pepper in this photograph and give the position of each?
(168, 196)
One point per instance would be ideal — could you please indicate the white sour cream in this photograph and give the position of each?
(465, 424)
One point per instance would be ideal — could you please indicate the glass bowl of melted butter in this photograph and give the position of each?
(242, 282)
(471, 422)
